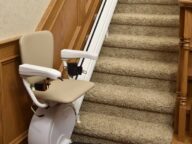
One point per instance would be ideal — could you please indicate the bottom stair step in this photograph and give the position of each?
(123, 130)
(90, 140)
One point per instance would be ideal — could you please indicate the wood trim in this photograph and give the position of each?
(20, 139)
(9, 59)
(185, 3)
(86, 28)
(1, 113)
(175, 140)
(184, 71)
(9, 40)
(50, 15)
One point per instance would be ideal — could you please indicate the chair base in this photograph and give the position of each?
(55, 127)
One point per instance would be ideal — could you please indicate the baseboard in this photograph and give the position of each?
(21, 139)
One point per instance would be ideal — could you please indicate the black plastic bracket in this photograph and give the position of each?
(74, 69)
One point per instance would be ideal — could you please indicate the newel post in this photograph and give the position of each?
(183, 71)
(182, 94)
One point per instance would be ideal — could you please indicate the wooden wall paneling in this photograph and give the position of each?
(94, 6)
(88, 5)
(81, 12)
(16, 103)
(64, 29)
(9, 48)
(61, 18)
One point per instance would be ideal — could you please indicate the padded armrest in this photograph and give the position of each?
(34, 70)
(68, 54)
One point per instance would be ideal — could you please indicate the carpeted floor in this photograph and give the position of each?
(134, 97)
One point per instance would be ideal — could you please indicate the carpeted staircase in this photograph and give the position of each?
(133, 100)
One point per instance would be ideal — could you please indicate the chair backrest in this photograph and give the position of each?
(37, 49)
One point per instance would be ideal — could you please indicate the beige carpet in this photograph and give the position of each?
(133, 100)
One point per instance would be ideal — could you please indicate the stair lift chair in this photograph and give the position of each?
(55, 117)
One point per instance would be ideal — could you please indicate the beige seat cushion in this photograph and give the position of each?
(64, 91)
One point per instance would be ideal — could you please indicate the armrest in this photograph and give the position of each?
(34, 70)
(67, 54)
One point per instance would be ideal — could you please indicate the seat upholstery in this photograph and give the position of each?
(64, 91)
(37, 48)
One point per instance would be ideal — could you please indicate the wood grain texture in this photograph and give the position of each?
(1, 104)
(21, 139)
(187, 140)
(86, 27)
(185, 3)
(63, 19)
(14, 101)
(184, 71)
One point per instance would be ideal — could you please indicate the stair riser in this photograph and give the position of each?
(134, 81)
(127, 113)
(123, 130)
(147, 9)
(139, 54)
(168, 2)
(136, 68)
(172, 46)
(152, 104)
(143, 30)
(146, 20)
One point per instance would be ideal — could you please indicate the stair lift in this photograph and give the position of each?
(55, 117)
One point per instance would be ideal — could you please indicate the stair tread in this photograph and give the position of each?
(123, 130)
(148, 83)
(146, 19)
(137, 67)
(119, 111)
(147, 8)
(142, 42)
(168, 2)
(132, 97)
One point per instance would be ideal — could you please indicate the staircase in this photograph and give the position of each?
(134, 96)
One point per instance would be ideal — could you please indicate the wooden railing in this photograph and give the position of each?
(70, 22)
(184, 111)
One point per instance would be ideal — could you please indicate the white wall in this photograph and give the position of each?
(20, 16)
